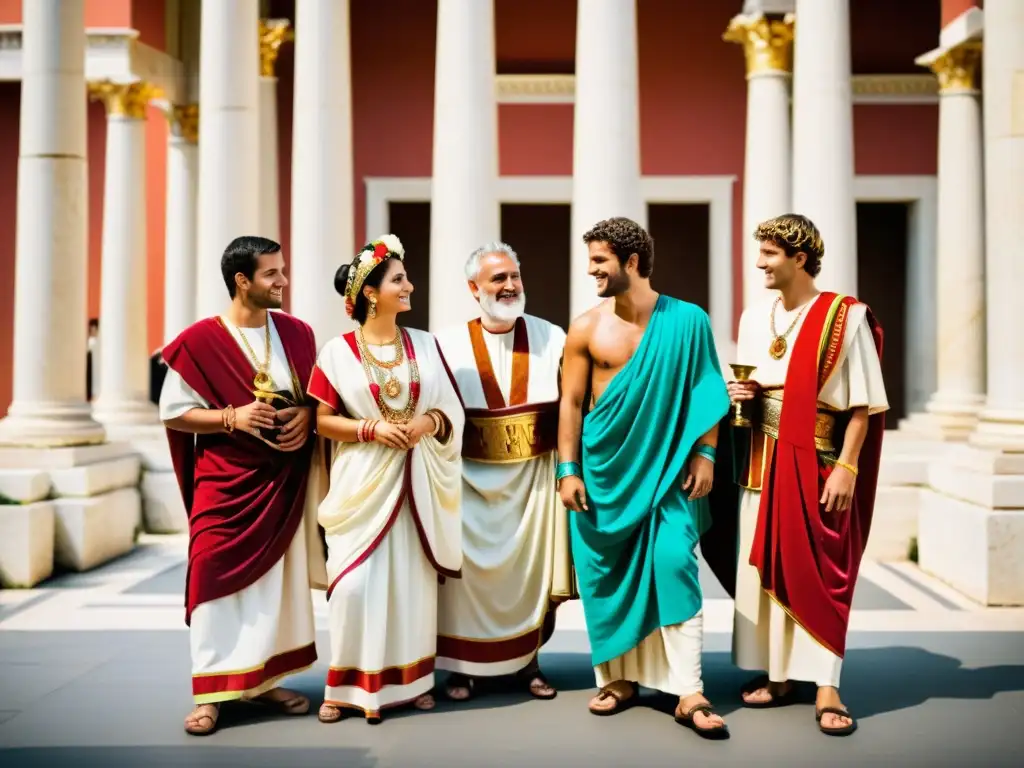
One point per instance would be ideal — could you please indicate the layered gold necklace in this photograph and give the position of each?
(381, 373)
(261, 381)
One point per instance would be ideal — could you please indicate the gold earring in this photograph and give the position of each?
(373, 309)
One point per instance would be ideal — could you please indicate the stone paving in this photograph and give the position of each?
(94, 671)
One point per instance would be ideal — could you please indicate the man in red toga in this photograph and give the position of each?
(239, 428)
(808, 477)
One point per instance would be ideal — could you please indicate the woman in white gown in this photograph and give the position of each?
(392, 514)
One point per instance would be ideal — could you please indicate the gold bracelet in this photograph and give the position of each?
(437, 423)
(848, 467)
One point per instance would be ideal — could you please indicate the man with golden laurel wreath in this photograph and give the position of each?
(516, 567)
(240, 428)
(808, 471)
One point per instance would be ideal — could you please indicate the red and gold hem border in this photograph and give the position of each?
(211, 687)
(375, 682)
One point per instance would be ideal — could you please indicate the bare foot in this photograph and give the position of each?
(202, 720)
(761, 692)
(829, 720)
(460, 687)
(613, 697)
(329, 713)
(425, 702)
(695, 712)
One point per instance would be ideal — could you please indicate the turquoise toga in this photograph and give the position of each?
(634, 549)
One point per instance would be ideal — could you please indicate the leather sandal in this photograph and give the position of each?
(709, 732)
(622, 703)
(779, 700)
(458, 680)
(329, 713)
(201, 730)
(843, 730)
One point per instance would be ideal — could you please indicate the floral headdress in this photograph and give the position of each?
(364, 263)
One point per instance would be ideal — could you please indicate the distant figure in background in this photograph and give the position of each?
(92, 362)
(157, 374)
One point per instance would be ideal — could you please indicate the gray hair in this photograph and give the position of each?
(495, 246)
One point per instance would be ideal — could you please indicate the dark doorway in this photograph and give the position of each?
(882, 240)
(540, 235)
(681, 242)
(411, 223)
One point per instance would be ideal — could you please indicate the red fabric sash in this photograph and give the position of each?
(243, 498)
(809, 559)
(520, 366)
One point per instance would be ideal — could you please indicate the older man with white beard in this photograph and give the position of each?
(517, 566)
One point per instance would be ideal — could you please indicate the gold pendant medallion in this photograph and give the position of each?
(262, 381)
(392, 388)
(778, 348)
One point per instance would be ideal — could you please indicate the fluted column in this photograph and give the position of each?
(606, 132)
(464, 212)
(123, 399)
(228, 139)
(322, 223)
(768, 48)
(823, 136)
(1002, 420)
(273, 34)
(50, 281)
(180, 242)
(960, 331)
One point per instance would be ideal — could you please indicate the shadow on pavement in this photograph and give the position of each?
(193, 756)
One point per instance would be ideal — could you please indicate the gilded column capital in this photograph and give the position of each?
(273, 34)
(767, 42)
(124, 99)
(184, 121)
(957, 68)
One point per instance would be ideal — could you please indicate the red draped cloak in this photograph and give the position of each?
(809, 558)
(244, 499)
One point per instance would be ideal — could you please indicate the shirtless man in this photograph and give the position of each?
(637, 472)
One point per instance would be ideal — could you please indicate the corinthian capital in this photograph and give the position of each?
(124, 99)
(767, 43)
(957, 68)
(184, 121)
(273, 34)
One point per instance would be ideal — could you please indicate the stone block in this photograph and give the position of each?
(94, 529)
(984, 488)
(155, 454)
(162, 508)
(94, 479)
(975, 549)
(903, 469)
(61, 458)
(894, 523)
(26, 544)
(23, 486)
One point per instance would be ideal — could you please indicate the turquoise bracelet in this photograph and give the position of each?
(707, 452)
(567, 468)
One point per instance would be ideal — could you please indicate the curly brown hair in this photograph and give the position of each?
(794, 234)
(625, 237)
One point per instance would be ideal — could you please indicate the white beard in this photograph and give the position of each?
(502, 311)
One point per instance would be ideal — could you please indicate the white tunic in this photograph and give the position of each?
(765, 637)
(242, 644)
(515, 528)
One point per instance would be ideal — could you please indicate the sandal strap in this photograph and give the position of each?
(609, 692)
(832, 711)
(705, 708)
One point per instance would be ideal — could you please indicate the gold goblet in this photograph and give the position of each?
(740, 414)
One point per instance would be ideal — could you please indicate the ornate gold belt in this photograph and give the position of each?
(771, 414)
(511, 434)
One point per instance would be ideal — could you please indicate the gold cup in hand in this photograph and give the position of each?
(740, 414)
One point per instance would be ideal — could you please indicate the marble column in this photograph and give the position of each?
(51, 274)
(823, 136)
(228, 140)
(606, 132)
(767, 46)
(960, 322)
(180, 243)
(322, 223)
(273, 34)
(123, 399)
(1002, 420)
(465, 212)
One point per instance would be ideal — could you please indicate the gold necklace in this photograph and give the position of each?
(261, 380)
(777, 349)
(384, 371)
(388, 385)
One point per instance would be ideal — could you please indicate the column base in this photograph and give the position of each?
(50, 425)
(945, 420)
(1001, 430)
(128, 419)
(971, 524)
